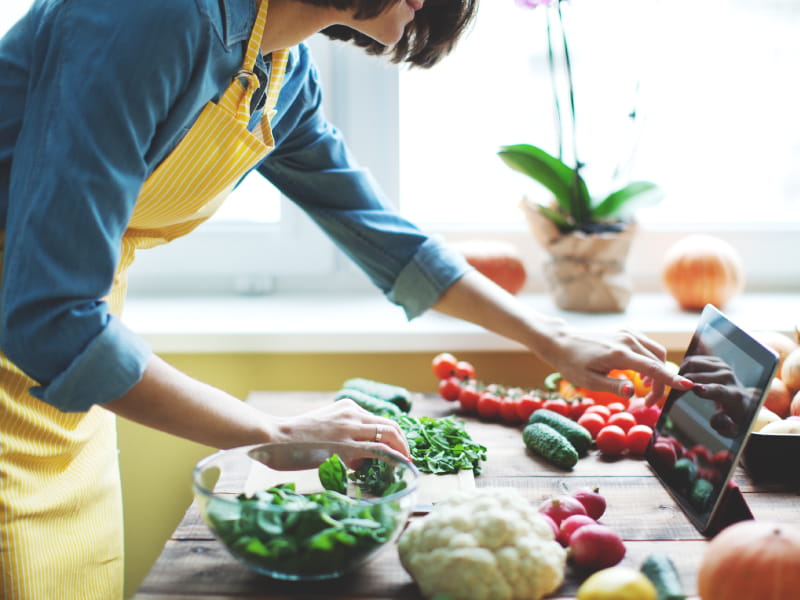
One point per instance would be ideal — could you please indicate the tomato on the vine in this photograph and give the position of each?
(578, 406)
(464, 370)
(508, 410)
(558, 405)
(468, 398)
(444, 365)
(527, 405)
(489, 405)
(450, 388)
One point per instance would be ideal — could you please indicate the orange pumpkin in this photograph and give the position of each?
(751, 560)
(497, 260)
(779, 343)
(702, 269)
(778, 398)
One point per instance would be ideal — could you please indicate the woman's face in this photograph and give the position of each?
(388, 27)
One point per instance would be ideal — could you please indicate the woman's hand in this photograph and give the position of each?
(585, 359)
(343, 421)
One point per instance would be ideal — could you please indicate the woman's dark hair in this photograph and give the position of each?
(432, 34)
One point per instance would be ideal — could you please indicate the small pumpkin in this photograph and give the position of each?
(779, 343)
(702, 269)
(790, 371)
(751, 560)
(497, 260)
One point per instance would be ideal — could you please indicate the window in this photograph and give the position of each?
(714, 87)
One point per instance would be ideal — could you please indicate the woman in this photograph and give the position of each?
(123, 125)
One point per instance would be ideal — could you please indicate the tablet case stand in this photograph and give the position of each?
(732, 508)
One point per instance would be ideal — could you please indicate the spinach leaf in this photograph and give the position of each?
(333, 474)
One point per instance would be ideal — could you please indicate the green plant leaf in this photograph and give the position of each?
(556, 217)
(541, 167)
(333, 474)
(625, 201)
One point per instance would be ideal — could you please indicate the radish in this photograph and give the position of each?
(594, 547)
(572, 524)
(593, 502)
(559, 508)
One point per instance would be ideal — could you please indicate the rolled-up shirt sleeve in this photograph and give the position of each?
(312, 166)
(79, 161)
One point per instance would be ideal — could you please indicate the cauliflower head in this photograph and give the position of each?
(484, 544)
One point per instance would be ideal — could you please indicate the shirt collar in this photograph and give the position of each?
(238, 17)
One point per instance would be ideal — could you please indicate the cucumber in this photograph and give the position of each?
(550, 445)
(370, 403)
(661, 571)
(700, 494)
(578, 435)
(395, 394)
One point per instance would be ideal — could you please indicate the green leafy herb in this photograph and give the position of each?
(441, 445)
(378, 477)
(333, 474)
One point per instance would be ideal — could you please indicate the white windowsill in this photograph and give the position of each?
(308, 323)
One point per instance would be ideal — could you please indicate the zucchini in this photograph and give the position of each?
(661, 571)
(395, 394)
(578, 435)
(548, 443)
(370, 403)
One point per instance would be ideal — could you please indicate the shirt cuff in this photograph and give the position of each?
(432, 270)
(110, 366)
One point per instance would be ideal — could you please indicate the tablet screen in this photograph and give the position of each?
(701, 432)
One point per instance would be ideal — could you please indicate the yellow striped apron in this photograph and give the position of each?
(60, 501)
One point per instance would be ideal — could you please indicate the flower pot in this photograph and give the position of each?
(584, 272)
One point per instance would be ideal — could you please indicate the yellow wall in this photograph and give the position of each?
(156, 468)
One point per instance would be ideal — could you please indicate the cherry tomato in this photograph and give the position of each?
(593, 422)
(624, 419)
(489, 406)
(464, 370)
(646, 415)
(558, 405)
(578, 406)
(444, 365)
(600, 409)
(508, 410)
(664, 454)
(611, 440)
(617, 407)
(638, 439)
(528, 404)
(450, 388)
(468, 398)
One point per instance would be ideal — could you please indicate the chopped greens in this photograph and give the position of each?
(441, 445)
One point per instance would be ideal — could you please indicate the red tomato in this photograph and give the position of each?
(558, 405)
(592, 422)
(638, 439)
(489, 405)
(664, 454)
(611, 440)
(450, 388)
(617, 407)
(444, 365)
(508, 410)
(624, 419)
(528, 404)
(578, 406)
(465, 370)
(468, 398)
(646, 415)
(600, 409)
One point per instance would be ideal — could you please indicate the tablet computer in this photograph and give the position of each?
(701, 432)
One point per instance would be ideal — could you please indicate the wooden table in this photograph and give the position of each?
(194, 565)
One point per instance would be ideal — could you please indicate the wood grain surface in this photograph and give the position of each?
(194, 565)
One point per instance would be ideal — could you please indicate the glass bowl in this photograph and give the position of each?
(267, 505)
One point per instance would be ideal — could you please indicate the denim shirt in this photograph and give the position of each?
(93, 96)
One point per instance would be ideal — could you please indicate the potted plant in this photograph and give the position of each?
(586, 237)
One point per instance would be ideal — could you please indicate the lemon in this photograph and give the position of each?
(617, 583)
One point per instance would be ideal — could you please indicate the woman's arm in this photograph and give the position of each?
(169, 400)
(582, 357)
